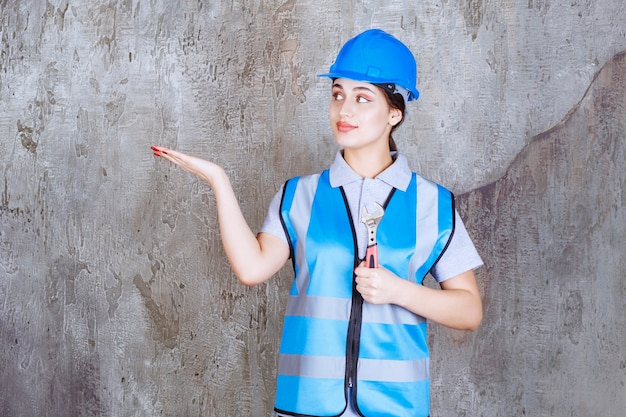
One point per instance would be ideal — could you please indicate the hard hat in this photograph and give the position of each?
(377, 57)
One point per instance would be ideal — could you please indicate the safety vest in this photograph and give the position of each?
(333, 342)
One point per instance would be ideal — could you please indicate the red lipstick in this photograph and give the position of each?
(345, 127)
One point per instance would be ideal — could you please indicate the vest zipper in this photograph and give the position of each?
(353, 341)
(353, 338)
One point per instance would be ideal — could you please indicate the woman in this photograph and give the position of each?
(354, 335)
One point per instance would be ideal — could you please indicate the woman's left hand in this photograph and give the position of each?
(378, 285)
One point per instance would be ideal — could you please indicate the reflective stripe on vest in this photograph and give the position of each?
(392, 372)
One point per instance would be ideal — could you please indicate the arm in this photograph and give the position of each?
(254, 259)
(457, 305)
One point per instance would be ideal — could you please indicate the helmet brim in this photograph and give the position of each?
(413, 92)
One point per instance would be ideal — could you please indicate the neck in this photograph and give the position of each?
(367, 164)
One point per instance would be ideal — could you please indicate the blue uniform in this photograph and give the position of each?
(335, 345)
(332, 340)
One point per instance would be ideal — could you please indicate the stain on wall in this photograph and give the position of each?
(554, 242)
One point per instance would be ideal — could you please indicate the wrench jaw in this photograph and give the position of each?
(371, 221)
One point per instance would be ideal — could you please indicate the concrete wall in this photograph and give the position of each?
(115, 295)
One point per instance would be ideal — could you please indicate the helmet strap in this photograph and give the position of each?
(403, 92)
(396, 89)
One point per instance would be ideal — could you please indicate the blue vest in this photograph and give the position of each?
(333, 342)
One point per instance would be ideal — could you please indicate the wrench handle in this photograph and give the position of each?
(371, 256)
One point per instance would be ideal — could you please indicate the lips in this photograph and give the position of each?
(345, 127)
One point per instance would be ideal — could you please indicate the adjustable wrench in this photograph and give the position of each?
(371, 221)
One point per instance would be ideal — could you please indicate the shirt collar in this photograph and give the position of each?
(398, 174)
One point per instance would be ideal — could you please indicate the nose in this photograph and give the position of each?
(346, 108)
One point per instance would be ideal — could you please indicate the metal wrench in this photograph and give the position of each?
(371, 221)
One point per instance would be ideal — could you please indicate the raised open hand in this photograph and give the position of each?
(204, 169)
(254, 258)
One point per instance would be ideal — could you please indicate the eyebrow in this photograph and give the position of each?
(359, 88)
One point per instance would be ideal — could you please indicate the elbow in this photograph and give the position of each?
(467, 321)
(474, 325)
(468, 318)
(474, 320)
(247, 282)
(467, 325)
(249, 278)
(474, 314)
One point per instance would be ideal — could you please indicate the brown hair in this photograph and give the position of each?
(395, 100)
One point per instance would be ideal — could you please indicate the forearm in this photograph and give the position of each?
(457, 308)
(254, 259)
(251, 261)
(457, 305)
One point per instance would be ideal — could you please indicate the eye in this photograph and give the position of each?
(337, 96)
(362, 99)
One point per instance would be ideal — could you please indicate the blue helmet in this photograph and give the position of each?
(377, 57)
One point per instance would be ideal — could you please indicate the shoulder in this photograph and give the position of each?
(428, 190)
(303, 185)
(307, 179)
(400, 175)
(424, 181)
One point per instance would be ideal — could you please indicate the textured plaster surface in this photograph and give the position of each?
(115, 294)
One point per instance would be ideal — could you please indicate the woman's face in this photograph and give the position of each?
(360, 116)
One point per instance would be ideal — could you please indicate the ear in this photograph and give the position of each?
(395, 116)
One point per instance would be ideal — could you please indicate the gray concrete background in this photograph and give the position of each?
(115, 295)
